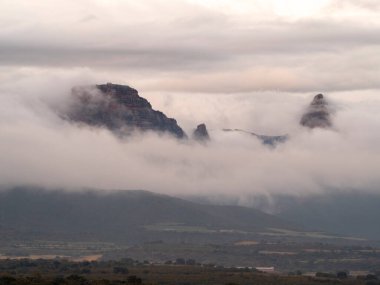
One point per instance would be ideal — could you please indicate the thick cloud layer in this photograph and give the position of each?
(36, 147)
(253, 65)
(201, 46)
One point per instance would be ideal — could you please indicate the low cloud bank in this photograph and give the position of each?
(37, 147)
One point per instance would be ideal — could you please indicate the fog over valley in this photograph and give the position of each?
(249, 65)
(344, 157)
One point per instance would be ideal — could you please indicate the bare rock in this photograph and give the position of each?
(201, 133)
(264, 139)
(118, 108)
(318, 114)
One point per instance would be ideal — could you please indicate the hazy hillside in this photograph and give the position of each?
(124, 216)
(355, 214)
(349, 214)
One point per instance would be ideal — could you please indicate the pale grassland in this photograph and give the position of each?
(319, 235)
(94, 257)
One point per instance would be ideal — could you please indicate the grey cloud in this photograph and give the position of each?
(88, 18)
(222, 41)
(311, 161)
(370, 5)
(262, 73)
(291, 56)
(197, 49)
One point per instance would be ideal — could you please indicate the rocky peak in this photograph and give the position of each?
(118, 108)
(317, 114)
(319, 100)
(124, 95)
(201, 133)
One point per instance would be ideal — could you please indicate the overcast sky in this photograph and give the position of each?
(200, 45)
(247, 64)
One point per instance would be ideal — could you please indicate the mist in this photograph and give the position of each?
(37, 147)
(251, 65)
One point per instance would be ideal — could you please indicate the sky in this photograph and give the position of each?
(249, 64)
(243, 45)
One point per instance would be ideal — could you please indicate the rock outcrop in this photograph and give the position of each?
(267, 140)
(201, 133)
(118, 108)
(318, 114)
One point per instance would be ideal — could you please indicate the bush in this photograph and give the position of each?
(120, 270)
(77, 279)
(180, 261)
(325, 275)
(190, 262)
(370, 277)
(133, 279)
(342, 274)
(7, 280)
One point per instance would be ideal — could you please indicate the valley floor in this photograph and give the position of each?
(283, 256)
(127, 271)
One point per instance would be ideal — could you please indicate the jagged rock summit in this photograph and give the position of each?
(201, 133)
(118, 108)
(266, 140)
(318, 114)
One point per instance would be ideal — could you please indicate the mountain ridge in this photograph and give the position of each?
(122, 110)
(126, 217)
(118, 108)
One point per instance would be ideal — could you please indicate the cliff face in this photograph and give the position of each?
(201, 133)
(317, 115)
(118, 108)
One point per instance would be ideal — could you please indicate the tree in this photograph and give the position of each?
(180, 261)
(133, 279)
(120, 270)
(342, 274)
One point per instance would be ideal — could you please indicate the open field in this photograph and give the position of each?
(283, 255)
(128, 271)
